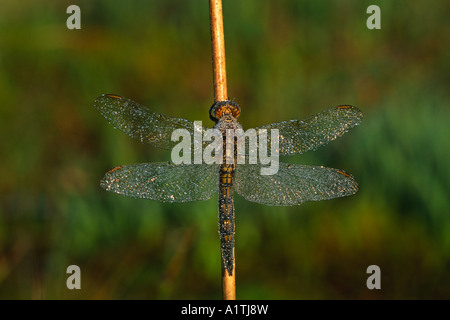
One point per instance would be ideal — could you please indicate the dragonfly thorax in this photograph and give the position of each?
(230, 130)
(227, 122)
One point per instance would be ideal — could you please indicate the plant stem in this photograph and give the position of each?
(218, 50)
(220, 94)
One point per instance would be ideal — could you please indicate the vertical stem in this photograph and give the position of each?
(218, 50)
(220, 94)
(229, 282)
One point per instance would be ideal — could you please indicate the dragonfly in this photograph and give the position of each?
(293, 184)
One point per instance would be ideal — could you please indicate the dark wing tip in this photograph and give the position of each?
(352, 186)
(351, 111)
(108, 179)
(114, 169)
(348, 175)
(107, 95)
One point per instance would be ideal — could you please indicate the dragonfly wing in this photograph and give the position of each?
(140, 122)
(293, 184)
(299, 136)
(163, 181)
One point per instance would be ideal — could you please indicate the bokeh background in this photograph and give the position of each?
(285, 60)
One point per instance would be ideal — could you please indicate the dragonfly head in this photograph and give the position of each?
(225, 107)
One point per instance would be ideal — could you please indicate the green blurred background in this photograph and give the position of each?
(285, 60)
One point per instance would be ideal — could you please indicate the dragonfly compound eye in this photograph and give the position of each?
(221, 108)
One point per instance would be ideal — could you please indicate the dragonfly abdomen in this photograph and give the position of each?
(226, 215)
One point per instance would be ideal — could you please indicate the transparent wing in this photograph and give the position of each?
(293, 184)
(140, 122)
(298, 136)
(163, 181)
